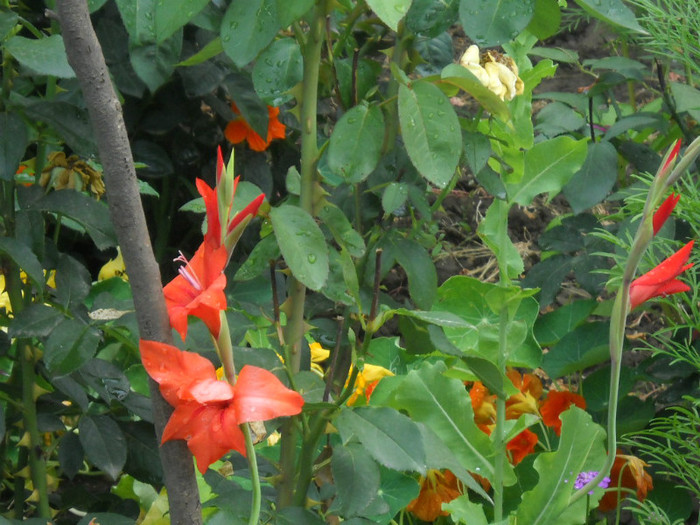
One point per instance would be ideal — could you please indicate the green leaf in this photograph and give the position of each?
(592, 183)
(211, 50)
(13, 142)
(37, 320)
(289, 12)
(106, 379)
(277, 70)
(460, 77)
(443, 405)
(173, 14)
(585, 346)
(613, 12)
(70, 122)
(464, 511)
(302, 244)
(580, 449)
(356, 143)
(390, 11)
(336, 287)
(430, 131)
(24, 257)
(398, 490)
(259, 259)
(548, 167)
(391, 438)
(92, 215)
(546, 19)
(8, 20)
(496, 237)
(70, 454)
(552, 326)
(394, 196)
(252, 108)
(143, 458)
(72, 281)
(431, 17)
(45, 56)
(71, 344)
(105, 518)
(419, 267)
(357, 481)
(558, 118)
(341, 229)
(138, 19)
(104, 443)
(477, 150)
(436, 318)
(247, 28)
(155, 63)
(490, 23)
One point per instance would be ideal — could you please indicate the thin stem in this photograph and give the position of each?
(377, 282)
(254, 475)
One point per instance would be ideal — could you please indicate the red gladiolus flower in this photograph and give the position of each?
(673, 155)
(198, 290)
(522, 445)
(208, 410)
(664, 211)
(661, 281)
(239, 130)
(555, 404)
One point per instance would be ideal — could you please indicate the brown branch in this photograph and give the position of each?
(86, 59)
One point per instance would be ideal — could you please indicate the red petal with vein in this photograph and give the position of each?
(664, 211)
(183, 299)
(213, 235)
(261, 396)
(251, 209)
(674, 154)
(173, 369)
(661, 281)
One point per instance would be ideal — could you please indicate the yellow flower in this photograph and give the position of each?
(63, 172)
(114, 268)
(318, 355)
(497, 72)
(366, 380)
(4, 296)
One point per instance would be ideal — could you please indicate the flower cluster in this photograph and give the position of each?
(209, 410)
(584, 477)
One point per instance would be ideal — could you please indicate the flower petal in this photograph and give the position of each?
(210, 391)
(213, 234)
(260, 396)
(236, 131)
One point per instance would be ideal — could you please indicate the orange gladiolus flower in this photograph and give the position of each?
(198, 290)
(627, 472)
(522, 445)
(436, 488)
(239, 130)
(208, 410)
(662, 280)
(556, 403)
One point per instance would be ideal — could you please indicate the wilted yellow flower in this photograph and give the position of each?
(114, 268)
(63, 172)
(366, 380)
(496, 71)
(318, 355)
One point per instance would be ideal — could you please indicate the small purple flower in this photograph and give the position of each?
(584, 477)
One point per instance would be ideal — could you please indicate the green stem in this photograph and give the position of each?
(294, 330)
(392, 110)
(254, 475)
(36, 462)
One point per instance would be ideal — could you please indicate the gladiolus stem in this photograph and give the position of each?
(254, 476)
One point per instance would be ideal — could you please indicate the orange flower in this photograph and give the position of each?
(522, 445)
(436, 488)
(239, 130)
(556, 403)
(483, 403)
(627, 472)
(527, 401)
(198, 290)
(207, 410)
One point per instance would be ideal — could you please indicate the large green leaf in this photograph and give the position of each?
(71, 344)
(289, 12)
(247, 28)
(552, 326)
(173, 14)
(357, 481)
(431, 17)
(37, 320)
(443, 405)
(45, 56)
(580, 449)
(613, 12)
(419, 267)
(340, 227)
(390, 437)
(104, 443)
(430, 131)
(356, 143)
(72, 281)
(138, 19)
(591, 184)
(13, 141)
(155, 63)
(278, 69)
(302, 244)
(496, 237)
(585, 346)
(390, 11)
(490, 23)
(92, 215)
(70, 122)
(548, 167)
